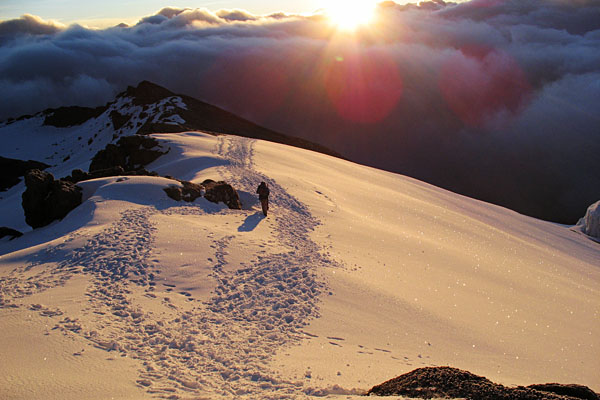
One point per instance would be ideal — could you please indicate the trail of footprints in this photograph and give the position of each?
(221, 347)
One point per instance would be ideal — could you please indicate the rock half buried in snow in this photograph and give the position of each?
(571, 390)
(216, 192)
(590, 223)
(222, 192)
(78, 175)
(189, 192)
(447, 382)
(46, 199)
(130, 153)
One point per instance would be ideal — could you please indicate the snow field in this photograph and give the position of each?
(356, 276)
(433, 278)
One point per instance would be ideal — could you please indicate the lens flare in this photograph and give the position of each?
(363, 88)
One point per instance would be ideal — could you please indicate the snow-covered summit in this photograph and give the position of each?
(144, 109)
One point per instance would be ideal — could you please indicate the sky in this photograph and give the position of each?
(496, 99)
(99, 13)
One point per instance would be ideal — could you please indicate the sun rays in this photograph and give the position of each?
(348, 16)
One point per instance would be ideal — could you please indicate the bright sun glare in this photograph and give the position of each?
(348, 15)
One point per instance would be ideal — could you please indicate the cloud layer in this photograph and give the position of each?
(497, 99)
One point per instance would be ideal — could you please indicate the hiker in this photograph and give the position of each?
(263, 196)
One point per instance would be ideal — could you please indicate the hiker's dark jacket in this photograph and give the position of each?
(263, 192)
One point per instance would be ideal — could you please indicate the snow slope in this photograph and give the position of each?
(356, 276)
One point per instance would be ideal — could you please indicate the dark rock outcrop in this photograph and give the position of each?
(118, 119)
(11, 170)
(189, 192)
(222, 192)
(130, 153)
(216, 192)
(6, 231)
(71, 116)
(571, 390)
(447, 382)
(590, 223)
(78, 175)
(46, 199)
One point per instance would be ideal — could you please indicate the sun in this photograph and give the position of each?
(349, 15)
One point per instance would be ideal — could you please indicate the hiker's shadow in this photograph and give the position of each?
(251, 222)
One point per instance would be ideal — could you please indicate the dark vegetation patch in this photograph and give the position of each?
(11, 170)
(447, 382)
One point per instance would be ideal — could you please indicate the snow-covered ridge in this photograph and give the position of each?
(67, 138)
(356, 276)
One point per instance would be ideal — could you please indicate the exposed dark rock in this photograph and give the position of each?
(24, 117)
(71, 116)
(111, 156)
(189, 192)
(11, 170)
(590, 223)
(118, 119)
(174, 192)
(153, 127)
(130, 153)
(571, 390)
(147, 93)
(78, 175)
(6, 231)
(46, 199)
(216, 192)
(447, 382)
(222, 192)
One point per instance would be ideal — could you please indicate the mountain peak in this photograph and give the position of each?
(146, 92)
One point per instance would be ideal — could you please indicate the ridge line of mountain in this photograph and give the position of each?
(198, 116)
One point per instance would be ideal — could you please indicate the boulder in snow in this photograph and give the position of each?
(448, 382)
(216, 192)
(130, 153)
(570, 390)
(11, 170)
(189, 192)
(46, 199)
(222, 192)
(590, 223)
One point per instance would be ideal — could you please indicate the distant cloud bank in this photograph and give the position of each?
(482, 94)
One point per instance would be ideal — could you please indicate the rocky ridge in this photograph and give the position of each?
(448, 382)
